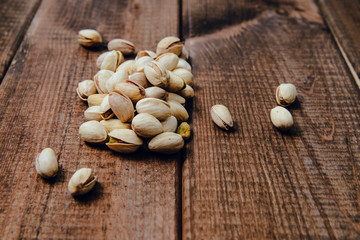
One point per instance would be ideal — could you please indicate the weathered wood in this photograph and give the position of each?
(136, 196)
(15, 17)
(343, 20)
(256, 182)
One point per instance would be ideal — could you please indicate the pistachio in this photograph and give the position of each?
(185, 75)
(127, 66)
(112, 60)
(168, 60)
(92, 132)
(169, 44)
(116, 78)
(46, 163)
(169, 124)
(187, 92)
(281, 118)
(146, 53)
(105, 109)
(175, 83)
(221, 116)
(141, 63)
(178, 111)
(156, 74)
(156, 107)
(85, 89)
(184, 53)
(285, 94)
(121, 105)
(89, 38)
(81, 182)
(182, 64)
(124, 141)
(184, 130)
(93, 113)
(146, 125)
(100, 79)
(167, 142)
(175, 97)
(124, 46)
(112, 124)
(155, 92)
(140, 78)
(131, 89)
(100, 59)
(95, 99)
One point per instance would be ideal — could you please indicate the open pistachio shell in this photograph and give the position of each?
(131, 89)
(121, 106)
(124, 141)
(168, 60)
(100, 79)
(169, 44)
(81, 182)
(221, 116)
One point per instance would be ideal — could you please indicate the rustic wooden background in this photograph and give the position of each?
(250, 183)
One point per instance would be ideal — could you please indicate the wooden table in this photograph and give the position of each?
(250, 183)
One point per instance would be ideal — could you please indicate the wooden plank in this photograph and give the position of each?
(343, 20)
(136, 195)
(255, 182)
(15, 17)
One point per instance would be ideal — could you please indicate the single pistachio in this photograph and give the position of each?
(121, 105)
(95, 99)
(112, 60)
(124, 46)
(175, 83)
(182, 64)
(46, 164)
(221, 116)
(140, 78)
(105, 109)
(131, 89)
(92, 132)
(155, 92)
(112, 124)
(85, 89)
(281, 118)
(184, 53)
(127, 66)
(93, 113)
(184, 130)
(81, 182)
(175, 97)
(156, 74)
(285, 94)
(156, 107)
(185, 75)
(100, 79)
(116, 78)
(169, 124)
(100, 59)
(124, 141)
(178, 111)
(141, 63)
(167, 142)
(169, 44)
(187, 92)
(146, 53)
(168, 60)
(146, 125)
(89, 38)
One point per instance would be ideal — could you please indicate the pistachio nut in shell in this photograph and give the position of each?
(169, 124)
(127, 66)
(156, 74)
(141, 63)
(168, 60)
(81, 182)
(175, 83)
(156, 107)
(184, 53)
(281, 118)
(124, 46)
(116, 78)
(93, 113)
(182, 64)
(46, 163)
(140, 78)
(187, 92)
(146, 53)
(92, 132)
(184, 130)
(121, 106)
(100, 79)
(100, 59)
(169, 44)
(221, 116)
(178, 111)
(146, 125)
(131, 89)
(112, 60)
(85, 89)
(112, 124)
(95, 99)
(167, 142)
(124, 141)
(285, 94)
(105, 109)
(185, 75)
(89, 38)
(175, 97)
(155, 92)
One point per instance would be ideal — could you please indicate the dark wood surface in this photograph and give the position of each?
(250, 183)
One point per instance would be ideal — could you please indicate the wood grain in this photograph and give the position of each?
(15, 17)
(255, 182)
(136, 196)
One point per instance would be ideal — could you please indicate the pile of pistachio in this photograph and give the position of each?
(137, 100)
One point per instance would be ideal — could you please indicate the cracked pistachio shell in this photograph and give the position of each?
(156, 74)
(139, 78)
(168, 60)
(100, 79)
(131, 89)
(121, 105)
(100, 59)
(187, 92)
(112, 60)
(92, 132)
(105, 109)
(95, 99)
(184, 130)
(124, 141)
(281, 118)
(169, 124)
(221, 116)
(285, 94)
(175, 97)
(182, 64)
(155, 92)
(146, 53)
(185, 75)
(85, 89)
(46, 163)
(116, 78)
(93, 113)
(81, 182)
(167, 142)
(146, 125)
(169, 44)
(175, 83)
(124, 46)
(89, 38)
(141, 63)
(112, 124)
(127, 66)
(156, 107)
(178, 111)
